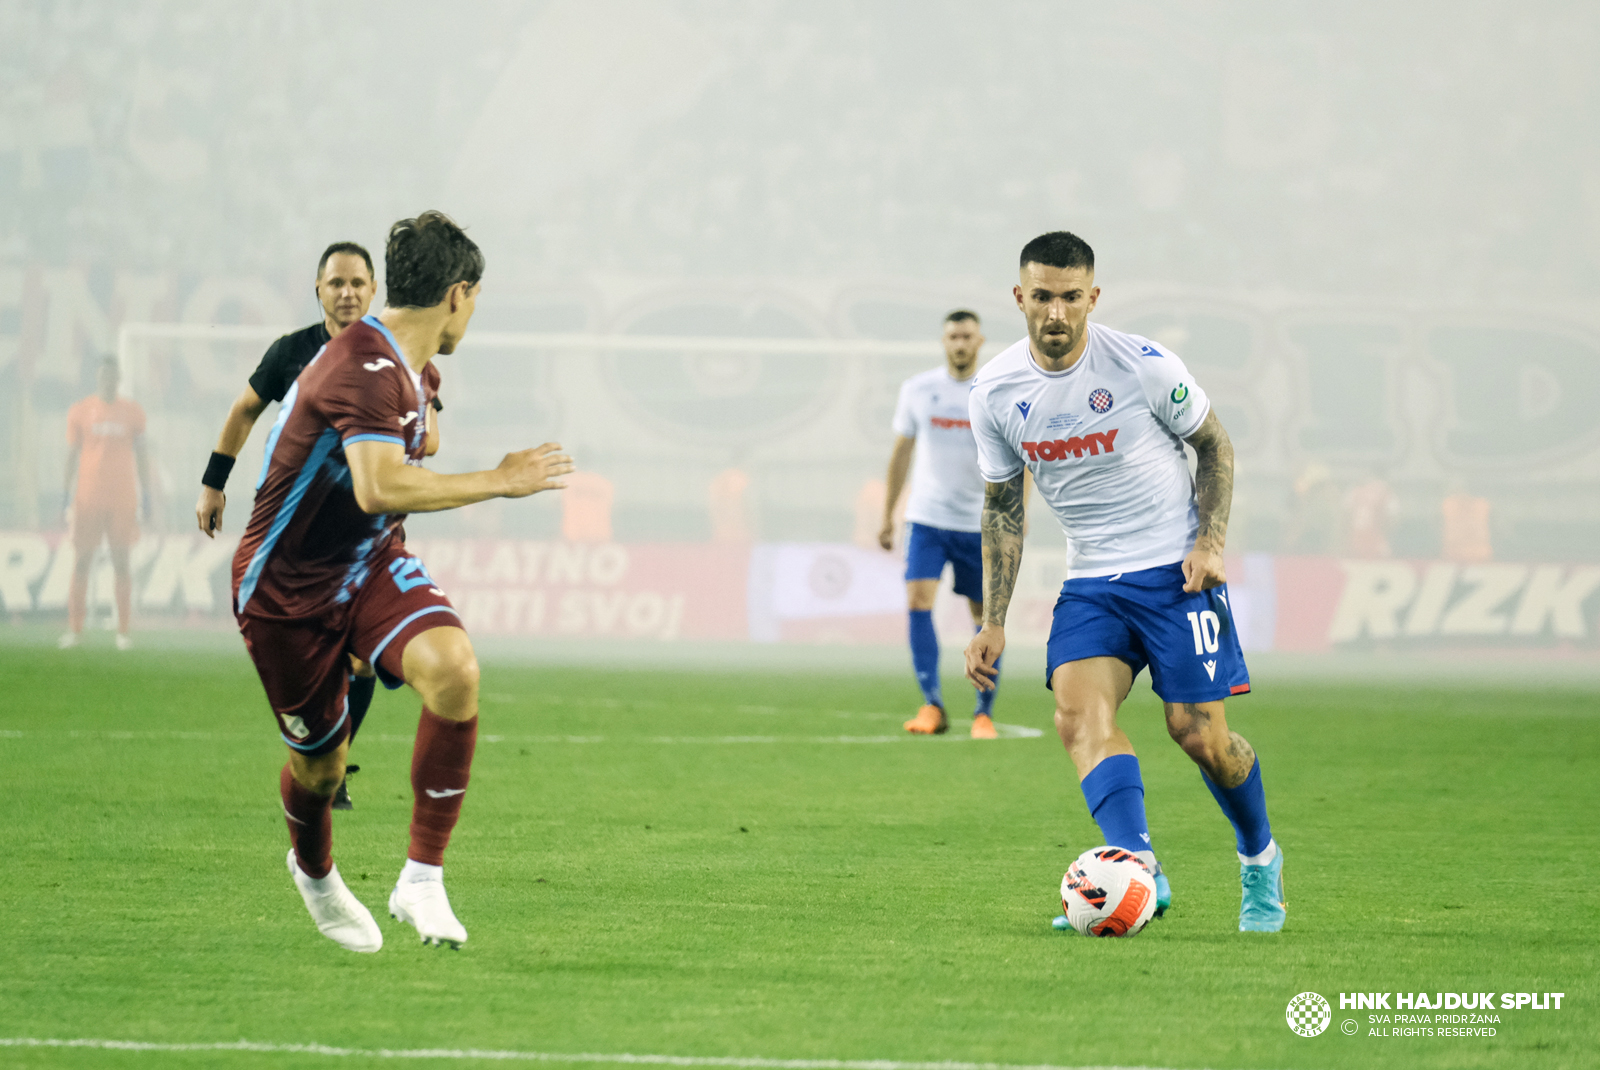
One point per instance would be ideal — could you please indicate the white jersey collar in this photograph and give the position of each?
(1034, 364)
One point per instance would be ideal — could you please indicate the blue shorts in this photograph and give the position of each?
(1145, 618)
(928, 548)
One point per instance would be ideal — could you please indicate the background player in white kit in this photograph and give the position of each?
(943, 512)
(1100, 417)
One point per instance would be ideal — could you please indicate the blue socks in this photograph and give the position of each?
(925, 660)
(1246, 807)
(1115, 794)
(361, 688)
(925, 656)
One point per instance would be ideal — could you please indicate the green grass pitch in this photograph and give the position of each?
(699, 864)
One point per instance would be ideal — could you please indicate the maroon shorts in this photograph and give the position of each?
(304, 664)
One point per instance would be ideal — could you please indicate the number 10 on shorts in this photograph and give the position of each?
(1205, 626)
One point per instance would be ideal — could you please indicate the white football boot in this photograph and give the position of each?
(339, 915)
(424, 904)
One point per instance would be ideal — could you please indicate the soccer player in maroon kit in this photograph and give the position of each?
(323, 572)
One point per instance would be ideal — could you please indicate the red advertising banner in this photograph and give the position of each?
(836, 592)
(592, 590)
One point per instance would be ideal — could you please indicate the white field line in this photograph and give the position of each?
(1007, 731)
(624, 1058)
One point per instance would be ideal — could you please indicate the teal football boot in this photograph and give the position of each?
(1261, 905)
(1163, 892)
(1060, 923)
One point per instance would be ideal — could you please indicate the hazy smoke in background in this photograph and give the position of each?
(1371, 229)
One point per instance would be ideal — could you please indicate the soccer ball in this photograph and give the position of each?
(1108, 891)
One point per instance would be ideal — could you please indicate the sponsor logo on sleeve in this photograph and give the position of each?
(378, 365)
(1180, 393)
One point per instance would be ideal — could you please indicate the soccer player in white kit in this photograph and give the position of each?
(942, 513)
(1100, 418)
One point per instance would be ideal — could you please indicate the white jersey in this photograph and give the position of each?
(1104, 440)
(946, 489)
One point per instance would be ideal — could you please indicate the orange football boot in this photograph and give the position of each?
(929, 721)
(983, 727)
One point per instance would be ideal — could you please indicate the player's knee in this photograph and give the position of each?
(441, 662)
(462, 675)
(322, 774)
(322, 782)
(1200, 749)
(455, 677)
(1076, 721)
(1195, 739)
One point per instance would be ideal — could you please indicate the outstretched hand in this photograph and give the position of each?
(1203, 570)
(982, 653)
(530, 471)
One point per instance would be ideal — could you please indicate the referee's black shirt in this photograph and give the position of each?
(285, 359)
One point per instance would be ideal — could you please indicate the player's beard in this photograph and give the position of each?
(1056, 346)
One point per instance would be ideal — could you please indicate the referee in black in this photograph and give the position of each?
(344, 288)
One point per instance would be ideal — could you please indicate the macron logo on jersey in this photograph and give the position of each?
(1150, 351)
(379, 364)
(1058, 449)
(1023, 407)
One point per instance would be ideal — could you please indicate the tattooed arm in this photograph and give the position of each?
(1213, 480)
(1002, 555)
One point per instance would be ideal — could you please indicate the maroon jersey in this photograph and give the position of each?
(309, 548)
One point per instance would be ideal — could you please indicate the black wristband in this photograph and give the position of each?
(217, 470)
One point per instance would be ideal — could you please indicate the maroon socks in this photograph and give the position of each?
(441, 765)
(310, 818)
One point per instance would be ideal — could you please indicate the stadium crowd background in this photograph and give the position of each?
(1372, 231)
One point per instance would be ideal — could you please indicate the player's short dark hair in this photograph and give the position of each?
(962, 314)
(1058, 249)
(425, 257)
(344, 247)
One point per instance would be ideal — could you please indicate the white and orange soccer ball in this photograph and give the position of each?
(1107, 891)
